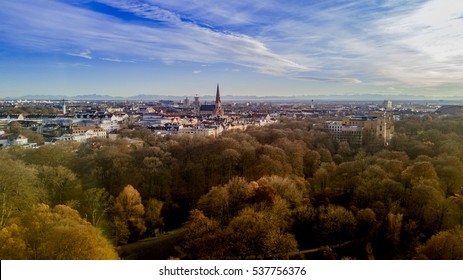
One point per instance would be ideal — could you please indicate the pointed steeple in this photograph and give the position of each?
(218, 104)
(217, 95)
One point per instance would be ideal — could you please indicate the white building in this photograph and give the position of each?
(335, 127)
(21, 140)
(4, 142)
(345, 133)
(109, 125)
(201, 131)
(154, 119)
(387, 104)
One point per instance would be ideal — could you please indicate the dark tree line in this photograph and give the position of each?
(288, 186)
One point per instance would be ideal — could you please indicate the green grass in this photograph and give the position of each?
(155, 248)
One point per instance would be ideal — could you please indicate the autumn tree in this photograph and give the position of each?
(348, 175)
(248, 235)
(323, 176)
(417, 172)
(293, 191)
(344, 149)
(394, 223)
(61, 184)
(128, 215)
(32, 136)
(252, 234)
(19, 189)
(458, 201)
(15, 128)
(453, 145)
(445, 245)
(223, 202)
(231, 159)
(335, 224)
(154, 166)
(449, 170)
(272, 161)
(113, 168)
(294, 151)
(452, 214)
(393, 167)
(61, 153)
(399, 141)
(425, 204)
(247, 220)
(153, 218)
(57, 233)
(12, 243)
(367, 227)
(383, 193)
(312, 160)
(203, 238)
(95, 204)
(325, 155)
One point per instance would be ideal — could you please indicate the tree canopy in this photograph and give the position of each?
(289, 187)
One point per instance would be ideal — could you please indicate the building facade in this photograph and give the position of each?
(378, 124)
(218, 103)
(345, 133)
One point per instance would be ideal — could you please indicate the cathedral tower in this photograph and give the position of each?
(218, 103)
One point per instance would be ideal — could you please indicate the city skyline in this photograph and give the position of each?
(266, 48)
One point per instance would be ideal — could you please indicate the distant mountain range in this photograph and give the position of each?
(148, 97)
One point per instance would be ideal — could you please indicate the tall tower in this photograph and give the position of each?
(64, 107)
(196, 105)
(218, 103)
(387, 104)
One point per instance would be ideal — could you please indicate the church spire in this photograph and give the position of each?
(217, 95)
(218, 103)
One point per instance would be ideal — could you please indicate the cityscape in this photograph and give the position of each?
(80, 120)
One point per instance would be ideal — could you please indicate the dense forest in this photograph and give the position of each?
(285, 191)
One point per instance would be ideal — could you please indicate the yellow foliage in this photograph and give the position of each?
(54, 234)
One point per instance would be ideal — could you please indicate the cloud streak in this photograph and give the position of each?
(176, 40)
(84, 54)
(430, 40)
(413, 43)
(335, 80)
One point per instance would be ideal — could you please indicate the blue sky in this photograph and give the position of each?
(268, 47)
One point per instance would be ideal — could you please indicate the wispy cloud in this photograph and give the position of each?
(427, 49)
(62, 65)
(55, 25)
(111, 59)
(222, 14)
(335, 80)
(196, 71)
(84, 54)
(416, 43)
(387, 42)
